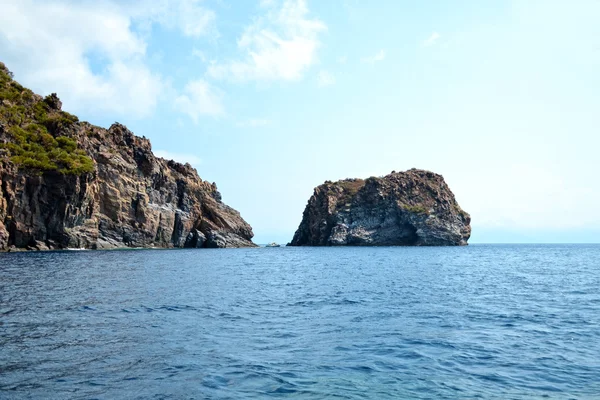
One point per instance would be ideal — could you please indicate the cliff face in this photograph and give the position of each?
(412, 208)
(65, 183)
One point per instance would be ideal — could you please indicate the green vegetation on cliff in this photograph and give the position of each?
(416, 209)
(33, 130)
(350, 188)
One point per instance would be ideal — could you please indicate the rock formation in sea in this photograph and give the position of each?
(412, 208)
(69, 184)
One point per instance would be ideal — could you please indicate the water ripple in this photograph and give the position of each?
(505, 322)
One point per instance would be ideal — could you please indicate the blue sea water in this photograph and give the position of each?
(483, 321)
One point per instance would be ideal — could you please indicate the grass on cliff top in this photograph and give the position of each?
(350, 187)
(32, 138)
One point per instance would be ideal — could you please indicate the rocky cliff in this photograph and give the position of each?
(66, 183)
(412, 208)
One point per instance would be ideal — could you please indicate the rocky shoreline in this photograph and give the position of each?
(67, 184)
(70, 184)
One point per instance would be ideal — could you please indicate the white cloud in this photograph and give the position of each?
(200, 98)
(253, 123)
(342, 59)
(325, 79)
(431, 40)
(379, 56)
(188, 16)
(89, 52)
(49, 44)
(278, 46)
(194, 20)
(200, 54)
(266, 3)
(179, 157)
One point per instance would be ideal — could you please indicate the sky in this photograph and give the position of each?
(270, 98)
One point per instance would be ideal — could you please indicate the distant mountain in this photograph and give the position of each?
(412, 208)
(66, 183)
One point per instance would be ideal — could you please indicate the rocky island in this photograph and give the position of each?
(69, 184)
(412, 208)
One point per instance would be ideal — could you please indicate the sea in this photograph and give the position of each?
(475, 322)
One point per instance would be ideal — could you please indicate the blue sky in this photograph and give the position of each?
(269, 98)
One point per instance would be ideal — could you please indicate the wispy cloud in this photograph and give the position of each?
(278, 46)
(190, 17)
(254, 123)
(378, 57)
(183, 158)
(200, 98)
(31, 31)
(94, 54)
(431, 40)
(325, 79)
(342, 59)
(266, 3)
(199, 54)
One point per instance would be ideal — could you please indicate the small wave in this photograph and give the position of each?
(363, 368)
(138, 309)
(284, 335)
(177, 308)
(345, 302)
(283, 390)
(229, 316)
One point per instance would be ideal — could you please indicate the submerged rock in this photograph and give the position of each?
(412, 208)
(66, 183)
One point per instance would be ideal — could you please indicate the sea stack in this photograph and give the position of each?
(70, 184)
(411, 208)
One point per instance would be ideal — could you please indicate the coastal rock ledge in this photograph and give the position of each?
(412, 208)
(70, 184)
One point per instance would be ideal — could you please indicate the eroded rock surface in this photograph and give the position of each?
(412, 208)
(129, 197)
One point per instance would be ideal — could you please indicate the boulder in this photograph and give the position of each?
(412, 208)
